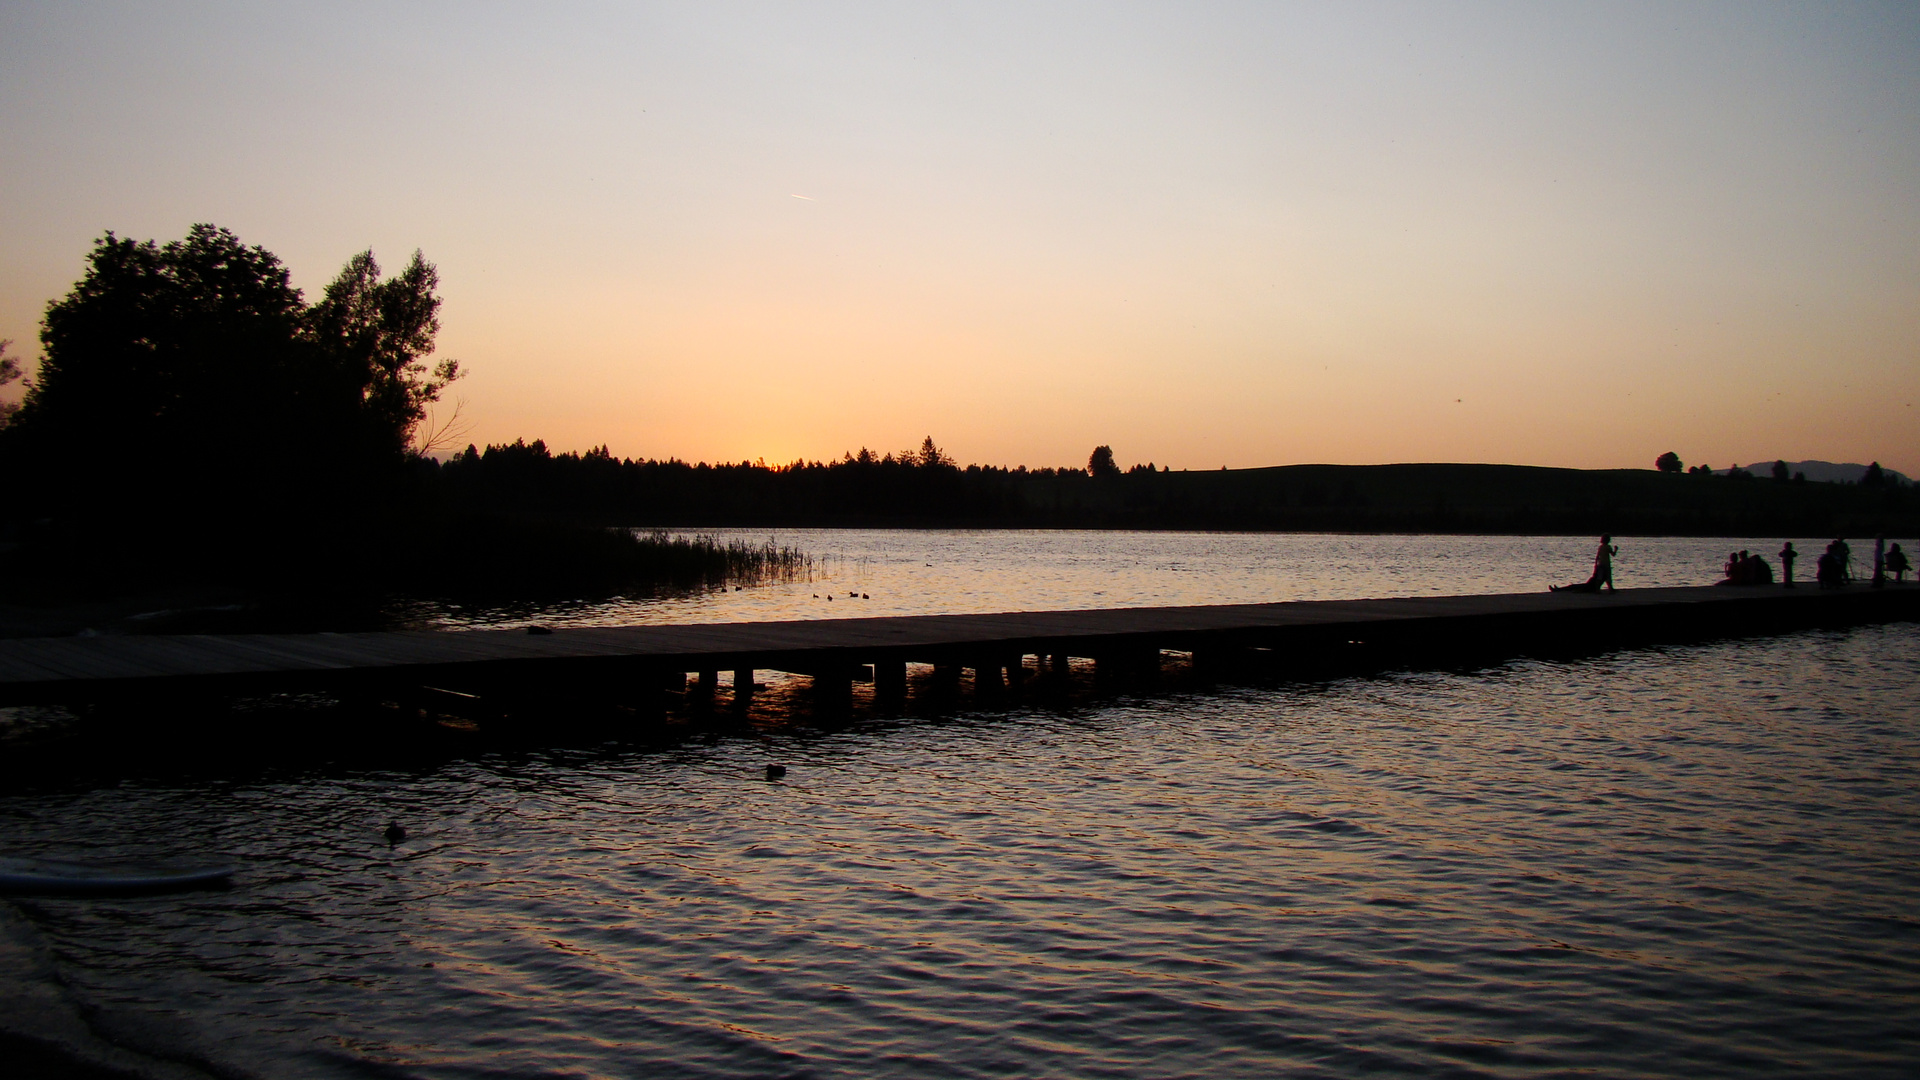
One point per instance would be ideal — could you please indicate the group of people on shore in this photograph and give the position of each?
(1832, 570)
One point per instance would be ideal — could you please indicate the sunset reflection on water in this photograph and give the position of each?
(935, 571)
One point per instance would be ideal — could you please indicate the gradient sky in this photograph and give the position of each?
(1207, 234)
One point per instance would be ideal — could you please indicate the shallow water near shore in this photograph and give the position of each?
(1694, 860)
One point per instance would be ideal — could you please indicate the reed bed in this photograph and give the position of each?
(699, 559)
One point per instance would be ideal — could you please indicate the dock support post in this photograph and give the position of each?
(986, 678)
(651, 702)
(1209, 663)
(1016, 670)
(890, 679)
(707, 682)
(1128, 664)
(742, 687)
(1062, 664)
(833, 690)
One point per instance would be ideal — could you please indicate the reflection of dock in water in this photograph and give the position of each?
(647, 667)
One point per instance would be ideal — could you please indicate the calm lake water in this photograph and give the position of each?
(1685, 861)
(924, 571)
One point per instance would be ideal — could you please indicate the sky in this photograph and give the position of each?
(1206, 234)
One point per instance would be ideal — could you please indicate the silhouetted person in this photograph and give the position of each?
(1842, 560)
(1603, 564)
(1827, 570)
(1746, 568)
(1787, 555)
(1602, 570)
(1897, 564)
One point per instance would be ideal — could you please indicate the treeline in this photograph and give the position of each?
(926, 489)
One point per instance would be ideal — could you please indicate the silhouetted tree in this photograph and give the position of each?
(1101, 462)
(932, 457)
(9, 371)
(163, 359)
(1874, 476)
(187, 386)
(377, 334)
(1780, 472)
(1668, 462)
(199, 356)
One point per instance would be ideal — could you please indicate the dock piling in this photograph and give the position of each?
(890, 679)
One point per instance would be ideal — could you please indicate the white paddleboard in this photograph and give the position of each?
(58, 876)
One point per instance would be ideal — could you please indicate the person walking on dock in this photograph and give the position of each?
(1787, 555)
(1603, 564)
(1602, 570)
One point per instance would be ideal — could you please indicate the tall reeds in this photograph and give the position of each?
(704, 560)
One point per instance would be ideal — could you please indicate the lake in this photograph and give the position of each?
(1680, 861)
(941, 571)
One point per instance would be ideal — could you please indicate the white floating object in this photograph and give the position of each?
(59, 876)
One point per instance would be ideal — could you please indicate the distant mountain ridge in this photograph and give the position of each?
(1823, 472)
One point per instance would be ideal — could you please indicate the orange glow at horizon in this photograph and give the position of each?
(1233, 235)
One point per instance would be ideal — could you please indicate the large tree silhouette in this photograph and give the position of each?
(171, 350)
(192, 373)
(376, 335)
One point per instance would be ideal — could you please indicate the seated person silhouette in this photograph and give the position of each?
(1827, 571)
(1745, 568)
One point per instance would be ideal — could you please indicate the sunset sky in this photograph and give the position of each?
(1206, 234)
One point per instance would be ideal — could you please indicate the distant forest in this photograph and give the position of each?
(926, 489)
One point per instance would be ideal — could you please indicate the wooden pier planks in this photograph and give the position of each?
(55, 668)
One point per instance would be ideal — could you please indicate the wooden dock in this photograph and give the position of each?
(636, 662)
